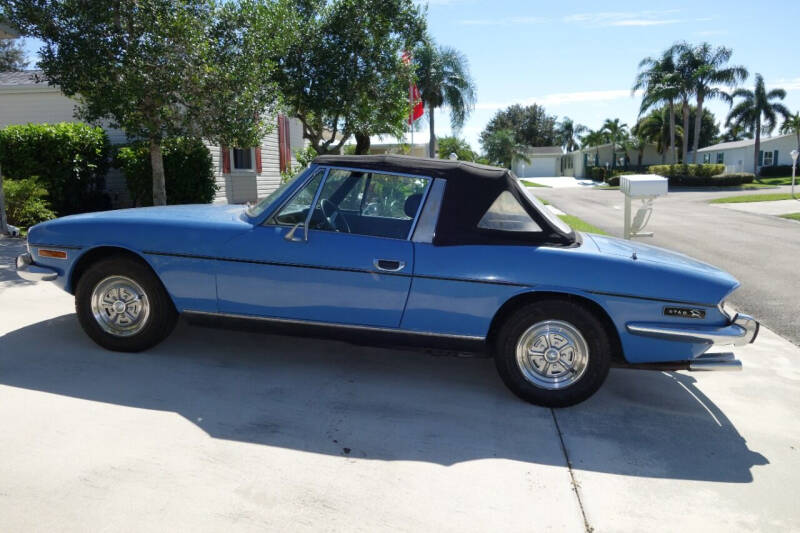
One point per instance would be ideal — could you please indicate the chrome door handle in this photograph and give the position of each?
(389, 265)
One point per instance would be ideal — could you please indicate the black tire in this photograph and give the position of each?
(581, 319)
(155, 327)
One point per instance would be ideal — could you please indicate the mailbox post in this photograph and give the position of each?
(645, 187)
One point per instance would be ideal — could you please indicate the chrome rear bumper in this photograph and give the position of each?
(27, 270)
(742, 330)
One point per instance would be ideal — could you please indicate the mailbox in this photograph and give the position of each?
(644, 187)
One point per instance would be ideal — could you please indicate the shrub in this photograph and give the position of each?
(598, 173)
(722, 180)
(683, 170)
(70, 160)
(777, 171)
(613, 181)
(26, 203)
(188, 171)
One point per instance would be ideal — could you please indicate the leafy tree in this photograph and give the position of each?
(735, 133)
(158, 68)
(343, 74)
(454, 145)
(656, 127)
(757, 110)
(681, 52)
(531, 125)
(617, 134)
(594, 139)
(660, 81)
(12, 56)
(791, 124)
(443, 79)
(503, 149)
(568, 133)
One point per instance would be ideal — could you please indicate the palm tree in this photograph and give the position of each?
(684, 71)
(736, 133)
(756, 110)
(709, 72)
(568, 132)
(658, 78)
(656, 128)
(792, 125)
(443, 79)
(594, 138)
(617, 134)
(503, 149)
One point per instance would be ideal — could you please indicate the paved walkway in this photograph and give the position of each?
(778, 207)
(562, 182)
(215, 430)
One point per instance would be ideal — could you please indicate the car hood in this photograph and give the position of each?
(193, 213)
(653, 254)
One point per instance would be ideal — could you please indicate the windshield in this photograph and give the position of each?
(259, 207)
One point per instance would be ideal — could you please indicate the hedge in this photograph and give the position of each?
(684, 171)
(723, 180)
(26, 202)
(70, 160)
(188, 171)
(778, 171)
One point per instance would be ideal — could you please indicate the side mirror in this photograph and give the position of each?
(291, 235)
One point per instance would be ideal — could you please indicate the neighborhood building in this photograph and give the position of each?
(546, 161)
(243, 175)
(543, 161)
(738, 156)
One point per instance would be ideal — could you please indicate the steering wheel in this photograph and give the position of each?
(333, 217)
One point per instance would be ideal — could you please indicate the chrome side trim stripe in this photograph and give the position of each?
(62, 246)
(618, 295)
(299, 322)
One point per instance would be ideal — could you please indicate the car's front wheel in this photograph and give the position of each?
(553, 353)
(123, 306)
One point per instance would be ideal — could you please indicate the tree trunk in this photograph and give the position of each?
(672, 133)
(159, 183)
(432, 141)
(698, 125)
(3, 224)
(757, 147)
(685, 144)
(362, 143)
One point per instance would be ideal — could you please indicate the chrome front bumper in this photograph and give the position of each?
(742, 330)
(27, 270)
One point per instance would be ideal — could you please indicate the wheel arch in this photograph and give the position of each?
(98, 253)
(518, 301)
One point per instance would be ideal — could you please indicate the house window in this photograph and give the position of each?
(242, 158)
(706, 158)
(767, 159)
(720, 157)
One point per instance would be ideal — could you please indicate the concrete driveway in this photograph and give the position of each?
(218, 430)
(761, 251)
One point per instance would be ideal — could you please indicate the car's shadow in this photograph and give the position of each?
(335, 398)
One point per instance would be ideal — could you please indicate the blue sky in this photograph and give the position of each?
(579, 59)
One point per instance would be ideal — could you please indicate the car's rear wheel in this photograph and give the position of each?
(123, 306)
(553, 353)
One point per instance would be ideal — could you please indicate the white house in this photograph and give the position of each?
(578, 163)
(242, 175)
(738, 156)
(543, 161)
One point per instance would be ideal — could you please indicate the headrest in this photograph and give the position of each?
(412, 205)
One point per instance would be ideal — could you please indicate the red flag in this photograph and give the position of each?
(414, 98)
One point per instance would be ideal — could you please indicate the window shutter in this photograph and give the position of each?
(283, 143)
(226, 160)
(257, 150)
(775, 158)
(761, 158)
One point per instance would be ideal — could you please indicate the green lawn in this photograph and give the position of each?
(581, 225)
(534, 184)
(772, 197)
(792, 216)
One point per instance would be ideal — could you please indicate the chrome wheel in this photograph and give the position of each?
(552, 354)
(120, 306)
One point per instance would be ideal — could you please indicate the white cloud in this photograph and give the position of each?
(555, 99)
(787, 85)
(623, 18)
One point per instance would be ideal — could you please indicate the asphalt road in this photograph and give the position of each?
(218, 430)
(761, 251)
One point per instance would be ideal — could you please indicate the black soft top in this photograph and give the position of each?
(471, 189)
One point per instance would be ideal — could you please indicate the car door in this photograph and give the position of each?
(338, 251)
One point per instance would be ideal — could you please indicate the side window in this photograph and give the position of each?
(296, 210)
(506, 214)
(367, 203)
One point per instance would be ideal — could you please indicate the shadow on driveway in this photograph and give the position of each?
(10, 248)
(334, 398)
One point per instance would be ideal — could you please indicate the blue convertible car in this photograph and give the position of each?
(440, 253)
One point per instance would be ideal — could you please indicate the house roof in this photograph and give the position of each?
(738, 144)
(544, 150)
(21, 78)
